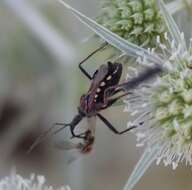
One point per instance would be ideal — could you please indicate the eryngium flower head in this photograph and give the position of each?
(165, 106)
(138, 21)
(17, 182)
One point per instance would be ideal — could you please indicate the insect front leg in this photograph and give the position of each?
(76, 120)
(90, 55)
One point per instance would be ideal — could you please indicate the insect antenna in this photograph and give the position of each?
(45, 134)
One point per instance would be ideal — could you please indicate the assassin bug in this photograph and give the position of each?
(103, 92)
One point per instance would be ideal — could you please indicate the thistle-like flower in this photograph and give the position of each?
(139, 22)
(17, 182)
(166, 103)
(165, 106)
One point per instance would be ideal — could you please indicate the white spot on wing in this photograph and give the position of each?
(98, 90)
(115, 71)
(102, 84)
(109, 77)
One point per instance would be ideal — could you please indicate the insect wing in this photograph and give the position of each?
(66, 145)
(74, 153)
(99, 75)
(146, 75)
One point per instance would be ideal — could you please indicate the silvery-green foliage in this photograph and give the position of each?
(17, 182)
(138, 21)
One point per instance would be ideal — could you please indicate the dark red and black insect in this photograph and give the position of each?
(104, 91)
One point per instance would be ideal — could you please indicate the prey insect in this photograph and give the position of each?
(104, 91)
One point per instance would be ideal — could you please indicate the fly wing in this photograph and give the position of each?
(66, 145)
(73, 155)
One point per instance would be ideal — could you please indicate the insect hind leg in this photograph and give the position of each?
(112, 128)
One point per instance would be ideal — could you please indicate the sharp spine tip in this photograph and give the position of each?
(65, 4)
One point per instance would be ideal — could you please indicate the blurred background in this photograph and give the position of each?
(41, 44)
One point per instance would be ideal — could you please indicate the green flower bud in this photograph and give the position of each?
(162, 113)
(175, 107)
(126, 13)
(165, 97)
(136, 6)
(149, 14)
(137, 21)
(137, 18)
(169, 132)
(187, 96)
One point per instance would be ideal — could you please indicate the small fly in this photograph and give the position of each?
(104, 91)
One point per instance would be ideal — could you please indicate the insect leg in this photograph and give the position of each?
(90, 55)
(111, 101)
(72, 126)
(108, 98)
(112, 128)
(76, 120)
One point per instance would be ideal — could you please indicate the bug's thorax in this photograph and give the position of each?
(106, 76)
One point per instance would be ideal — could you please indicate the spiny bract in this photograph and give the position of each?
(17, 182)
(138, 21)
